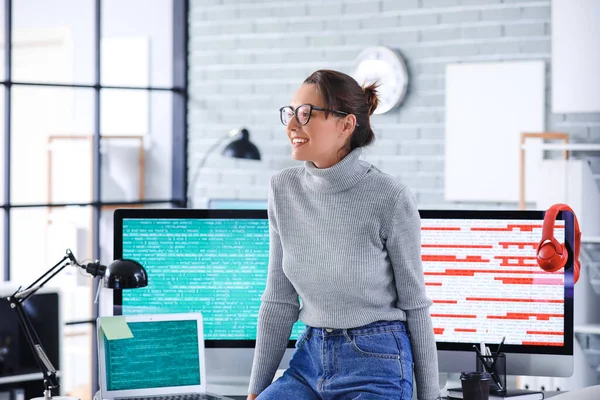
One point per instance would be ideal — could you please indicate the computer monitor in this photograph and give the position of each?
(17, 362)
(479, 269)
(481, 273)
(209, 261)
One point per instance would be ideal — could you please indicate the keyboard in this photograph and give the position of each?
(189, 396)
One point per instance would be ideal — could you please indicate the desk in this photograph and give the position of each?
(547, 395)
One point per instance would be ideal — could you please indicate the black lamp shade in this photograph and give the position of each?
(125, 274)
(242, 147)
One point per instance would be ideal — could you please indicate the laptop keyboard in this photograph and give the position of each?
(193, 396)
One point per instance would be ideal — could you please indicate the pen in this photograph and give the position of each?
(481, 358)
(500, 345)
(489, 367)
(493, 367)
(498, 352)
(477, 350)
(497, 380)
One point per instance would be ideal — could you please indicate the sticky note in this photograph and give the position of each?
(115, 328)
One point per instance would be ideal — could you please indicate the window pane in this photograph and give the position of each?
(77, 361)
(51, 145)
(2, 42)
(136, 149)
(2, 159)
(106, 248)
(53, 41)
(137, 47)
(2, 277)
(39, 239)
(107, 228)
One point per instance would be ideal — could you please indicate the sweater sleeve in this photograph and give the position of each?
(278, 312)
(404, 248)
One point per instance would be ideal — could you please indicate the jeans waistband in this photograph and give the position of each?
(375, 327)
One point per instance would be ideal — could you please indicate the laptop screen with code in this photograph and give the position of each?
(160, 354)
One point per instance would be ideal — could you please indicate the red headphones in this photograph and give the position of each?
(551, 254)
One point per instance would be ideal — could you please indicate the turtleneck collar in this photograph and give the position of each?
(341, 176)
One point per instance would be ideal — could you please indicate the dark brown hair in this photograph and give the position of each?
(341, 92)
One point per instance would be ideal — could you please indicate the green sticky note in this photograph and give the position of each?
(115, 328)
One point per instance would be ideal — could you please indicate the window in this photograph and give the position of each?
(96, 94)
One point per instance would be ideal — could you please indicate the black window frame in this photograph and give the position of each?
(179, 90)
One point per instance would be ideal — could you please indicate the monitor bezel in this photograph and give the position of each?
(569, 241)
(177, 213)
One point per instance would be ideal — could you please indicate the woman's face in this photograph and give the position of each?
(321, 139)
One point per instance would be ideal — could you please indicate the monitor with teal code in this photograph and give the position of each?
(209, 261)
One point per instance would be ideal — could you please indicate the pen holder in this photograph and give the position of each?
(498, 372)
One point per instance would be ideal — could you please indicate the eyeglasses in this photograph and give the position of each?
(302, 113)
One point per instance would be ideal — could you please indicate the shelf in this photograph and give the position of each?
(591, 329)
(594, 274)
(21, 378)
(590, 252)
(588, 337)
(590, 258)
(562, 146)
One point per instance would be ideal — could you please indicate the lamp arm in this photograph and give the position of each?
(50, 270)
(23, 295)
(16, 301)
(51, 384)
(199, 166)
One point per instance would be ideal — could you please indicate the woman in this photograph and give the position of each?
(345, 259)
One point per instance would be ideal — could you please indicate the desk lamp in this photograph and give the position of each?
(120, 274)
(241, 147)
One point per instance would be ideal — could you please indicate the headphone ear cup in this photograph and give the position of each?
(549, 258)
(576, 267)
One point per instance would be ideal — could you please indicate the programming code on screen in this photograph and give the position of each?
(160, 354)
(485, 283)
(217, 267)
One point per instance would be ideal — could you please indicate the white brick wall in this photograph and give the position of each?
(247, 57)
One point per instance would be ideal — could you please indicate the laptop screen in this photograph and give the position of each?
(160, 354)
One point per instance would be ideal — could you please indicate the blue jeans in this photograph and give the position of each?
(366, 363)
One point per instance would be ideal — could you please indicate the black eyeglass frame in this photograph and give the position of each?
(311, 108)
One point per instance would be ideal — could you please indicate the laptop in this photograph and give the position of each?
(163, 360)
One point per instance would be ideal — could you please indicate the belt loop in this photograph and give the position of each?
(347, 335)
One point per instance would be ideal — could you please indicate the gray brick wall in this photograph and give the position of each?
(248, 57)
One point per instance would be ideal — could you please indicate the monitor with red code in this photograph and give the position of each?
(482, 276)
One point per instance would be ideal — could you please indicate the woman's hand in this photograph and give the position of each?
(251, 397)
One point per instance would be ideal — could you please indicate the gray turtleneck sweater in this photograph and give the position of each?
(346, 240)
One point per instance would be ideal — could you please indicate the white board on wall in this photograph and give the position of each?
(575, 56)
(488, 105)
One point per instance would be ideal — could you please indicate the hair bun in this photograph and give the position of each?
(371, 95)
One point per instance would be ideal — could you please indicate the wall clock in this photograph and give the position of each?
(388, 68)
